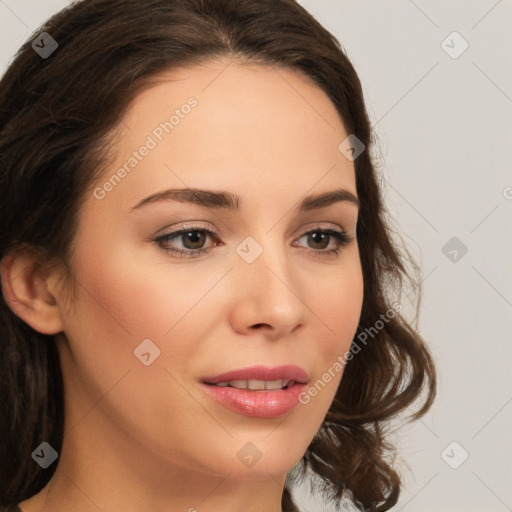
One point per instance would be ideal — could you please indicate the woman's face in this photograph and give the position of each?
(152, 321)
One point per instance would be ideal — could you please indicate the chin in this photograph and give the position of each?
(261, 456)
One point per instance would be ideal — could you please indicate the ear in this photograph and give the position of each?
(26, 291)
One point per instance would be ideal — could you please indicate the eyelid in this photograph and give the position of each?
(194, 224)
(322, 225)
(203, 225)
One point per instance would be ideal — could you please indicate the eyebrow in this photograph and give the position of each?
(229, 201)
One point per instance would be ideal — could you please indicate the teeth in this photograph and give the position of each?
(275, 384)
(238, 384)
(255, 384)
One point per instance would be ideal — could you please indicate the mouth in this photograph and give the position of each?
(255, 385)
(260, 377)
(259, 391)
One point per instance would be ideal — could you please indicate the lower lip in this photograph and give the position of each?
(257, 404)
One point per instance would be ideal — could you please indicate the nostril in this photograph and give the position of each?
(257, 326)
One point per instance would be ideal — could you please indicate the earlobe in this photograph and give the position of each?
(25, 291)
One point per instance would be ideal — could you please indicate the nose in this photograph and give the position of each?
(267, 296)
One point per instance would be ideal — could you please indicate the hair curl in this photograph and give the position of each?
(56, 117)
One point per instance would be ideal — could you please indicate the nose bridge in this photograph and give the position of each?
(268, 292)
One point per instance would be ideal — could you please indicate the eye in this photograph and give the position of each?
(192, 238)
(321, 238)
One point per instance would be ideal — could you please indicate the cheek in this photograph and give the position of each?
(120, 302)
(337, 309)
(137, 293)
(129, 296)
(337, 305)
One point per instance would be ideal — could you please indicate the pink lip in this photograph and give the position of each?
(258, 403)
(260, 372)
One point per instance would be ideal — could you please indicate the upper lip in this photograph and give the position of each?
(261, 372)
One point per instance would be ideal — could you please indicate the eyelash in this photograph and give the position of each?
(342, 237)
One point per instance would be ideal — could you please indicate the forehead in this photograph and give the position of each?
(224, 124)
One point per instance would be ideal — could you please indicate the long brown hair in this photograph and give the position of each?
(56, 117)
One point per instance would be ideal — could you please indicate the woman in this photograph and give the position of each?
(193, 254)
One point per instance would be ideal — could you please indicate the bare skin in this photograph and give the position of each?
(140, 438)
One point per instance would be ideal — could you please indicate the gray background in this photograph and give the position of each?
(444, 151)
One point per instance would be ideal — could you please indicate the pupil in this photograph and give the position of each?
(323, 238)
(194, 237)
